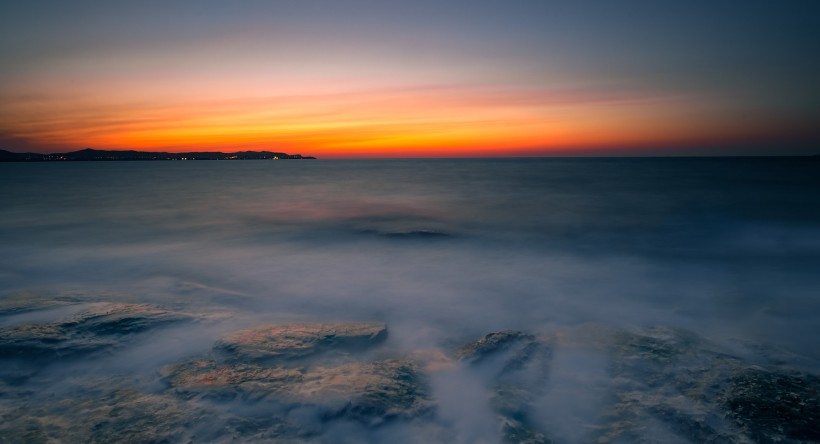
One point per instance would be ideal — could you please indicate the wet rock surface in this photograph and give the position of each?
(24, 301)
(374, 391)
(515, 366)
(99, 326)
(663, 385)
(491, 344)
(202, 376)
(774, 407)
(695, 391)
(311, 382)
(290, 341)
(120, 319)
(258, 365)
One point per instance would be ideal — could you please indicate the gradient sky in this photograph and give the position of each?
(416, 78)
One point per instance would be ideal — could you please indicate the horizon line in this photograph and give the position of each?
(469, 157)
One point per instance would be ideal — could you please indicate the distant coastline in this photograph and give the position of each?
(89, 154)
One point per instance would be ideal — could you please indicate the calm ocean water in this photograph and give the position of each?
(442, 251)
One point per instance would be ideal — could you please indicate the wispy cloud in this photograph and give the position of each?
(349, 118)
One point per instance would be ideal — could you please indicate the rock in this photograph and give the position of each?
(120, 319)
(665, 379)
(518, 432)
(122, 416)
(258, 365)
(34, 340)
(316, 382)
(683, 385)
(102, 325)
(518, 367)
(23, 301)
(106, 412)
(290, 341)
(211, 379)
(491, 344)
(775, 406)
(366, 391)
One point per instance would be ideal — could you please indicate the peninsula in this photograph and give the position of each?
(89, 154)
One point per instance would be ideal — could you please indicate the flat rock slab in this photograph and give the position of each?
(208, 377)
(260, 365)
(355, 390)
(289, 341)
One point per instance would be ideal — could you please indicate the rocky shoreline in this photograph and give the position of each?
(320, 382)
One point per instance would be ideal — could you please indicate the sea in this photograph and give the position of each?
(660, 287)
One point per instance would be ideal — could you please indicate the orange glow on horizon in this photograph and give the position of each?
(388, 79)
(425, 121)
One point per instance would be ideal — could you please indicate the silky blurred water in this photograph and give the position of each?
(438, 249)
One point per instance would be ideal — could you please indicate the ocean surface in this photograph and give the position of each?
(623, 270)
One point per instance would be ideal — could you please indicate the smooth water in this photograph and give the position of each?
(442, 251)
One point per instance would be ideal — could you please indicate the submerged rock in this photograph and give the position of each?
(120, 319)
(122, 416)
(100, 326)
(289, 341)
(689, 388)
(32, 340)
(410, 235)
(23, 301)
(491, 344)
(518, 367)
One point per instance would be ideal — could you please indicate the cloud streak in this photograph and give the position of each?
(353, 119)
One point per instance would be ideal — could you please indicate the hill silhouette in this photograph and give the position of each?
(89, 154)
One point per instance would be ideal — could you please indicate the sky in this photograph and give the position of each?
(419, 78)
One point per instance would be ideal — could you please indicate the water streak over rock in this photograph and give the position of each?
(102, 325)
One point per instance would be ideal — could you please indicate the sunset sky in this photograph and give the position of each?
(412, 78)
